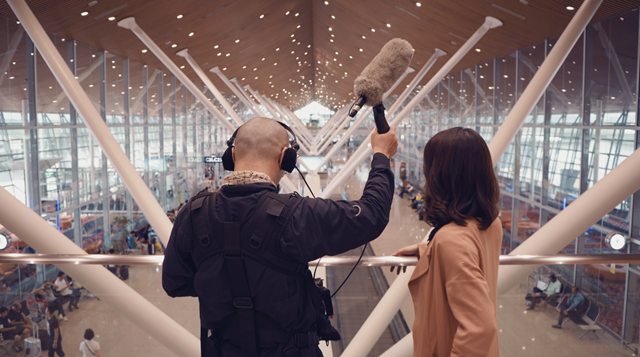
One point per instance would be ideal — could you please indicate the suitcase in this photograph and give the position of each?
(32, 345)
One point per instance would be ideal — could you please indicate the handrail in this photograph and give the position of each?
(540, 259)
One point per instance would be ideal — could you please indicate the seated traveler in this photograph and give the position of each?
(45, 293)
(17, 317)
(11, 332)
(574, 302)
(554, 287)
(68, 294)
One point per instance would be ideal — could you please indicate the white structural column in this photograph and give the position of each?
(333, 132)
(541, 79)
(381, 316)
(401, 98)
(36, 232)
(130, 23)
(203, 76)
(246, 97)
(260, 101)
(135, 184)
(586, 210)
(235, 91)
(329, 123)
(364, 150)
(295, 119)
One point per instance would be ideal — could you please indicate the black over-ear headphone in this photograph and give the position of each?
(288, 161)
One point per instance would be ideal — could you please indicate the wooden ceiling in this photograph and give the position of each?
(299, 51)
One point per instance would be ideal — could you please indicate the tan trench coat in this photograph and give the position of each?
(454, 292)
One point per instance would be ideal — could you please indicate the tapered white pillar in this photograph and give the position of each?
(80, 100)
(37, 233)
(236, 91)
(364, 150)
(402, 348)
(130, 23)
(542, 79)
(203, 76)
(303, 128)
(265, 105)
(241, 90)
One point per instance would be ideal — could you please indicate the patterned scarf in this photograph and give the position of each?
(246, 177)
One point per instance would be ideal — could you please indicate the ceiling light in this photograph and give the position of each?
(364, 37)
(309, 46)
(361, 50)
(478, 50)
(219, 53)
(144, 51)
(333, 17)
(278, 49)
(228, 54)
(216, 46)
(174, 45)
(297, 13)
(373, 30)
(243, 67)
(191, 34)
(238, 40)
(181, 67)
(179, 16)
(224, 69)
(84, 13)
(570, 8)
(326, 3)
(418, 4)
(298, 26)
(388, 25)
(262, 16)
(111, 18)
(263, 58)
(287, 13)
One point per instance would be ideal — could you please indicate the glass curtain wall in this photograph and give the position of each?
(50, 161)
(582, 128)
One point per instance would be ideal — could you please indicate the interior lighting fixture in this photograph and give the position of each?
(278, 49)
(84, 13)
(174, 45)
(331, 40)
(182, 67)
(111, 18)
(228, 54)
(191, 34)
(333, 17)
(478, 50)
(216, 46)
(326, 3)
(5, 241)
(262, 16)
(388, 25)
(418, 4)
(613, 240)
(244, 67)
(287, 13)
(364, 37)
(144, 51)
(179, 16)
(360, 51)
(570, 8)
(298, 26)
(224, 69)
(297, 13)
(219, 53)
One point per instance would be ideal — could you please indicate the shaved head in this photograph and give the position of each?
(260, 139)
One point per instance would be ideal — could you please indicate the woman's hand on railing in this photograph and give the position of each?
(411, 250)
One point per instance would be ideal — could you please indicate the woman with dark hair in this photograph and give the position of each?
(454, 284)
(89, 347)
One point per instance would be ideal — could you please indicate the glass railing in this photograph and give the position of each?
(521, 332)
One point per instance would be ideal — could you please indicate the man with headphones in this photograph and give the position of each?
(244, 251)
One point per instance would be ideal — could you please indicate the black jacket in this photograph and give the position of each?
(318, 227)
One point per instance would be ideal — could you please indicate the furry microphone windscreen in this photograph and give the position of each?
(383, 71)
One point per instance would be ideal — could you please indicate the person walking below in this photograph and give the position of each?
(89, 347)
(55, 337)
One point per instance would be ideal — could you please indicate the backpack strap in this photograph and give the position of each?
(204, 244)
(269, 222)
(234, 260)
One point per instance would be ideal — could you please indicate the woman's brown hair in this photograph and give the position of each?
(460, 181)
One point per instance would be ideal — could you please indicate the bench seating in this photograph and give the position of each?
(587, 320)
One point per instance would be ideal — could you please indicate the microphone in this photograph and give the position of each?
(379, 75)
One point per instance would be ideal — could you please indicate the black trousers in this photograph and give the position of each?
(57, 350)
(570, 314)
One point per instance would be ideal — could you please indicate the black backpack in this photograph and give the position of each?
(255, 237)
(124, 272)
